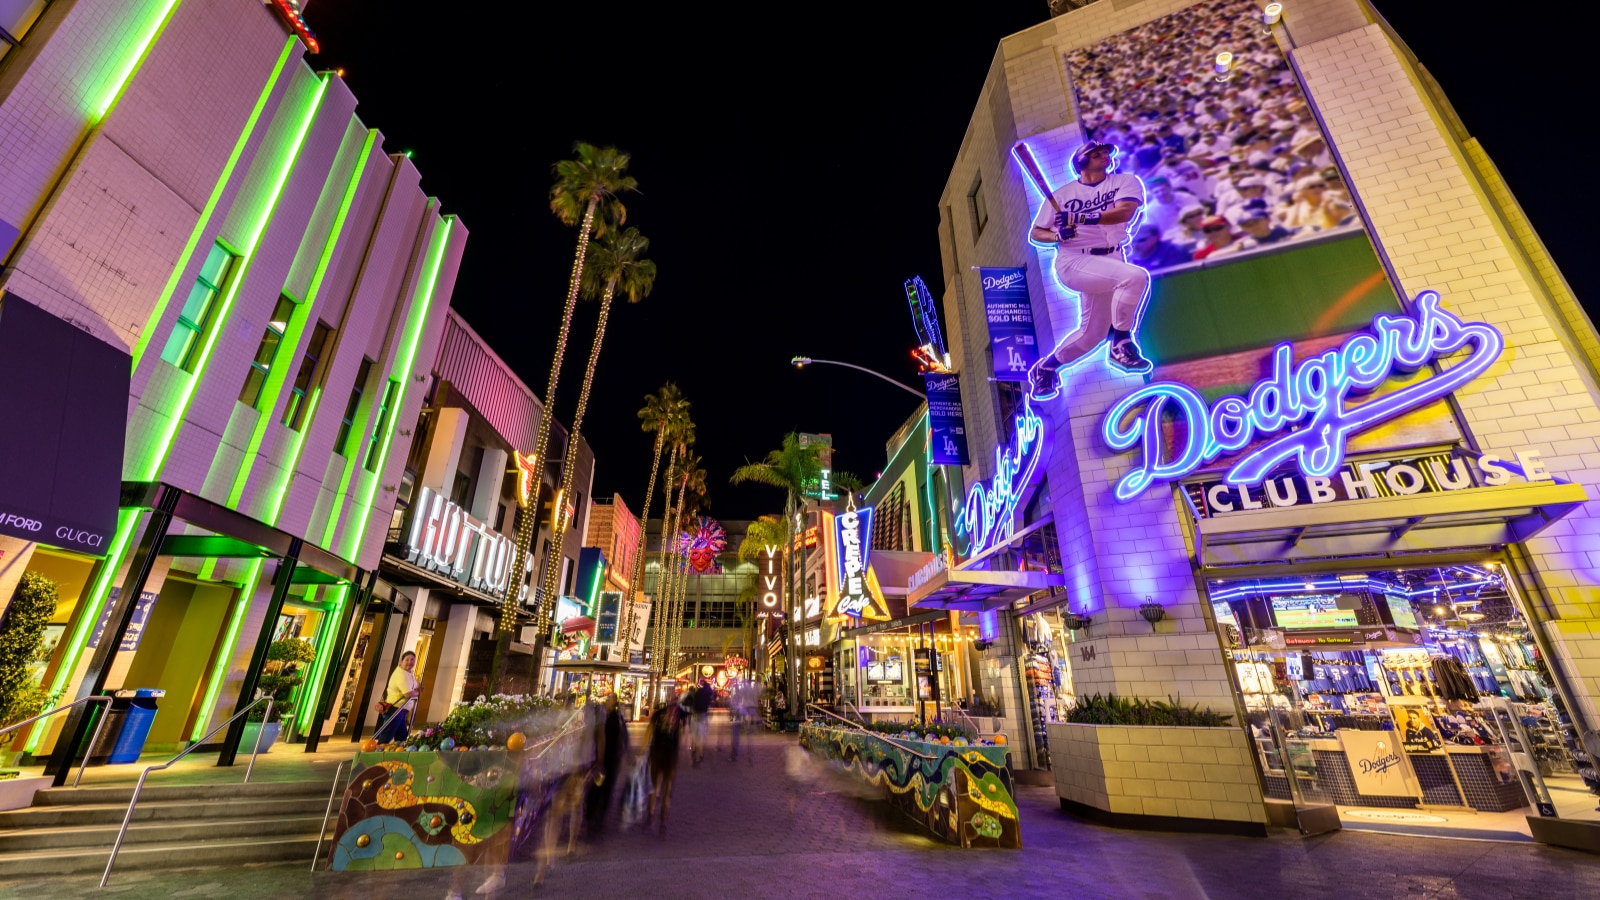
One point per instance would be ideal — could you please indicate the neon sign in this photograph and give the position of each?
(852, 530)
(527, 477)
(769, 578)
(444, 539)
(989, 516)
(1311, 395)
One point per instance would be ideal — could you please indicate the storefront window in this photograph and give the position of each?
(1414, 689)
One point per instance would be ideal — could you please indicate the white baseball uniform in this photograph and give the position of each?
(1110, 290)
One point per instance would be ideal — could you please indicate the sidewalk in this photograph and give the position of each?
(790, 827)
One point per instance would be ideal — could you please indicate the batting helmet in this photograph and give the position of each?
(1081, 156)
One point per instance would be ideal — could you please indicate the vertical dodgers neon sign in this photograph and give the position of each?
(989, 516)
(1310, 395)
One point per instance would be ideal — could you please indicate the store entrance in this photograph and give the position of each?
(1413, 700)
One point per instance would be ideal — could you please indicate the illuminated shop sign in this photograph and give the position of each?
(767, 574)
(1310, 396)
(444, 539)
(1010, 315)
(853, 535)
(527, 478)
(1367, 481)
(989, 516)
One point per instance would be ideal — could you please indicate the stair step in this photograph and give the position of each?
(159, 856)
(194, 833)
(66, 796)
(90, 814)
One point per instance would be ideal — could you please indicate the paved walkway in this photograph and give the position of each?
(788, 827)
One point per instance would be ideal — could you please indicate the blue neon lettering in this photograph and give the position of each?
(1312, 395)
(989, 515)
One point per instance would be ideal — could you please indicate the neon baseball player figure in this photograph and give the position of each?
(1088, 220)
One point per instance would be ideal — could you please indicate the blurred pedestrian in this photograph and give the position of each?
(400, 694)
(700, 725)
(612, 747)
(663, 740)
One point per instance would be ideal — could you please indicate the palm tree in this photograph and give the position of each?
(794, 468)
(618, 266)
(692, 485)
(682, 438)
(663, 412)
(587, 194)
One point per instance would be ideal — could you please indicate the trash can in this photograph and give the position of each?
(139, 714)
(116, 712)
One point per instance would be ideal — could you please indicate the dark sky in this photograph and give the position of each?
(790, 161)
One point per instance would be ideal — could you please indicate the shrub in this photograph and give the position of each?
(31, 608)
(1110, 709)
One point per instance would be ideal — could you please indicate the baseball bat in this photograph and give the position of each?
(1031, 166)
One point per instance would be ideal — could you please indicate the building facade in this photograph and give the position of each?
(182, 190)
(1350, 496)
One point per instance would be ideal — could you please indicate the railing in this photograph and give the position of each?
(139, 788)
(883, 737)
(332, 793)
(384, 723)
(93, 741)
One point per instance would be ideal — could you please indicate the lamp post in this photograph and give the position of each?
(801, 362)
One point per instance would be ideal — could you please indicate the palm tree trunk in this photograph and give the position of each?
(791, 658)
(670, 644)
(569, 461)
(637, 571)
(508, 612)
(658, 607)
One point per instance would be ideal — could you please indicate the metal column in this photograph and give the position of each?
(281, 581)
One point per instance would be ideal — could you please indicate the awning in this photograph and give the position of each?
(976, 589)
(1446, 520)
(894, 569)
(590, 666)
(932, 615)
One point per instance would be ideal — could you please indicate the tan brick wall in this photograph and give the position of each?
(1194, 773)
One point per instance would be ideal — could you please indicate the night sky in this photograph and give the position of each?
(790, 162)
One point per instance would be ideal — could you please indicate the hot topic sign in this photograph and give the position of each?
(1309, 397)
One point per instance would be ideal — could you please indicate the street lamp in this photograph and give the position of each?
(801, 362)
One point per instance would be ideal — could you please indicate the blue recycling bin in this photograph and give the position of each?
(140, 715)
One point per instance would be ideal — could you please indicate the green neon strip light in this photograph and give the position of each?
(230, 637)
(319, 667)
(278, 376)
(211, 202)
(153, 464)
(401, 370)
(131, 63)
(148, 468)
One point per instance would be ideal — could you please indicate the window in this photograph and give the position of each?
(385, 411)
(500, 517)
(266, 352)
(461, 491)
(294, 414)
(352, 406)
(979, 205)
(184, 342)
(16, 18)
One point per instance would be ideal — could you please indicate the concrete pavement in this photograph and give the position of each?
(788, 827)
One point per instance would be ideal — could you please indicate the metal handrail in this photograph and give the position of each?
(93, 742)
(139, 788)
(332, 792)
(884, 737)
(384, 723)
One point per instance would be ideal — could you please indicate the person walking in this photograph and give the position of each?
(613, 746)
(743, 705)
(700, 701)
(397, 697)
(662, 741)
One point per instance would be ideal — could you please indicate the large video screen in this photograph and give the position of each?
(1301, 611)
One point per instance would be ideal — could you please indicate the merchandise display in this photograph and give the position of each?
(1442, 659)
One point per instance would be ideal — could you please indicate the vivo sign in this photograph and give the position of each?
(854, 529)
(990, 514)
(1309, 397)
(444, 539)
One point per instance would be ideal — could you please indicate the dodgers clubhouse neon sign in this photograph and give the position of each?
(852, 529)
(1310, 395)
(989, 516)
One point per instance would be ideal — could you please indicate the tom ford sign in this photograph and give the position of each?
(445, 540)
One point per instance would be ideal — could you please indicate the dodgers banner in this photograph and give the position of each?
(1010, 314)
(947, 427)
